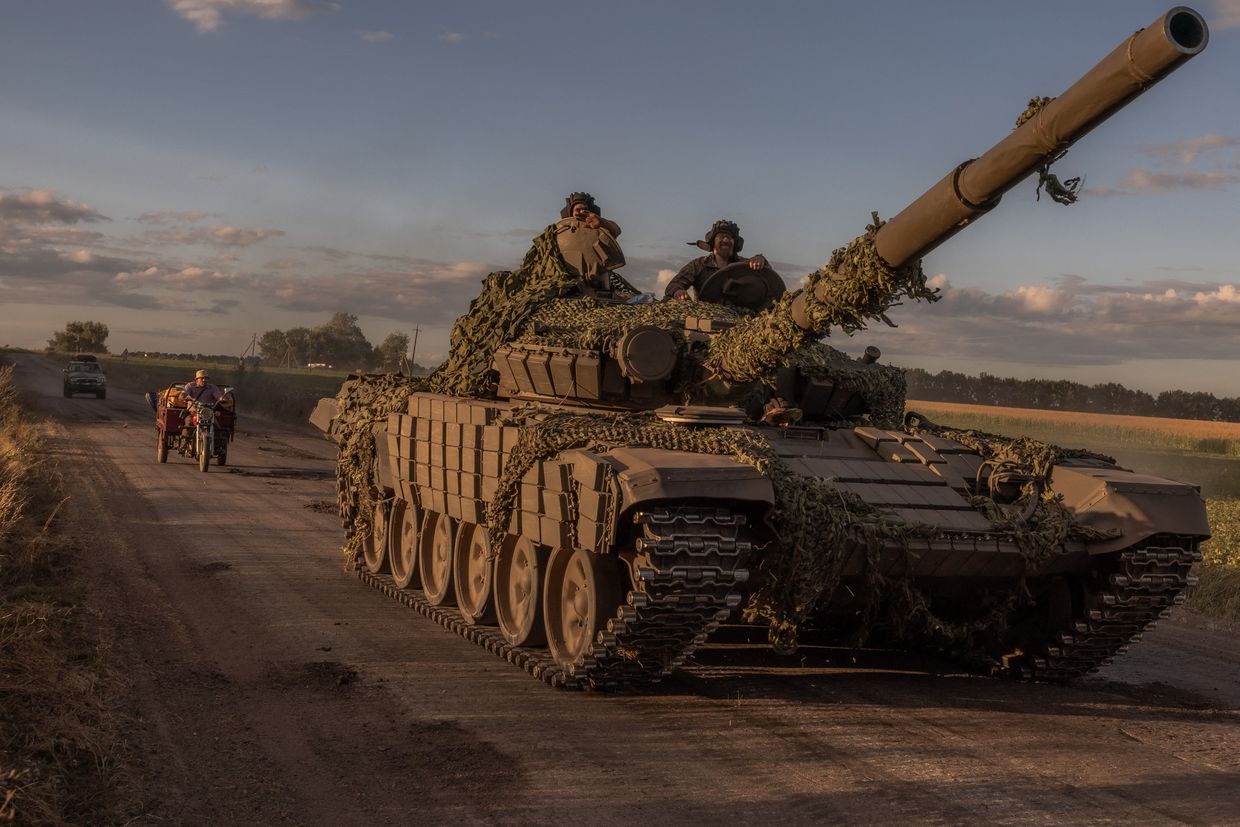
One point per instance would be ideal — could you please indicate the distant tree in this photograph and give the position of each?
(273, 346)
(88, 337)
(341, 342)
(299, 345)
(393, 349)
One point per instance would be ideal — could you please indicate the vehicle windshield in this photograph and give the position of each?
(85, 368)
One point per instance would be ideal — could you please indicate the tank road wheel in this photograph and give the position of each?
(161, 446)
(435, 558)
(472, 570)
(403, 536)
(519, 571)
(374, 551)
(582, 593)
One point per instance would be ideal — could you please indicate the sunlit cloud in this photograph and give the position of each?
(208, 15)
(1187, 151)
(1071, 322)
(43, 207)
(1144, 181)
(172, 216)
(1226, 14)
(452, 38)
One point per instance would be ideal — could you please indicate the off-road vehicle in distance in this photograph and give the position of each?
(85, 375)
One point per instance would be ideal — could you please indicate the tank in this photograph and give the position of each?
(591, 485)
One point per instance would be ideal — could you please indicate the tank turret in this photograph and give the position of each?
(592, 483)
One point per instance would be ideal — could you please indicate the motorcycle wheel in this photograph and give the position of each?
(204, 456)
(161, 446)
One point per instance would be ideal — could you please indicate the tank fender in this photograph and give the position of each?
(1129, 507)
(609, 483)
(386, 478)
(324, 415)
(648, 474)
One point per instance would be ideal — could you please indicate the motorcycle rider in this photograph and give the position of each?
(198, 392)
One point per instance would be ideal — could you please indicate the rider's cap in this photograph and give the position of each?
(579, 198)
(202, 374)
(721, 226)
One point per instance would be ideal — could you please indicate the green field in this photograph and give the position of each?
(284, 394)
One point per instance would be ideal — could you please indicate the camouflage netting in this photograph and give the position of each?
(586, 323)
(816, 524)
(883, 387)
(499, 314)
(362, 403)
(1049, 524)
(856, 286)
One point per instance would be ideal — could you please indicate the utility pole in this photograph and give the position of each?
(413, 356)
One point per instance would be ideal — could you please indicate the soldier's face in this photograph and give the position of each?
(724, 244)
(580, 211)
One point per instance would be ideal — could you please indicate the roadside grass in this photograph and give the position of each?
(282, 394)
(60, 742)
(1207, 453)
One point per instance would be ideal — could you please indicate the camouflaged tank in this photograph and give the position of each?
(590, 486)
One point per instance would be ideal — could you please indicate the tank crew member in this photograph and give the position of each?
(588, 245)
(581, 206)
(723, 242)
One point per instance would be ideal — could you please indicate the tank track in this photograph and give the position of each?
(686, 582)
(1141, 586)
(686, 575)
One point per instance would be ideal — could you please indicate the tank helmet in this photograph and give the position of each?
(721, 226)
(579, 198)
(202, 374)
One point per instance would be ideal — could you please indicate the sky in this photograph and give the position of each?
(193, 172)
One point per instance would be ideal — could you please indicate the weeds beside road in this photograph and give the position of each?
(60, 740)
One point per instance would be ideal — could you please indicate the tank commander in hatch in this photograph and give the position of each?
(723, 242)
(587, 242)
(581, 206)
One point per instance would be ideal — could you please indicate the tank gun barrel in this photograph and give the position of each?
(973, 188)
(865, 279)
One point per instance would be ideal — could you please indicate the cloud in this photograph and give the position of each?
(225, 236)
(1070, 322)
(172, 217)
(208, 15)
(1226, 15)
(44, 207)
(285, 264)
(376, 37)
(431, 292)
(452, 38)
(1141, 181)
(1187, 151)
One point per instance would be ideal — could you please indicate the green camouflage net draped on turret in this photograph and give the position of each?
(856, 286)
(883, 387)
(817, 524)
(587, 323)
(362, 403)
(500, 314)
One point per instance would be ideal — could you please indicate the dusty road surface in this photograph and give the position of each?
(272, 688)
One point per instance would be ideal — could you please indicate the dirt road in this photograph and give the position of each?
(273, 688)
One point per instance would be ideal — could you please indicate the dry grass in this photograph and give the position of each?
(1218, 592)
(1083, 428)
(59, 738)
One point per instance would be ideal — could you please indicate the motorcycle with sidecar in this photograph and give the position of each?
(197, 431)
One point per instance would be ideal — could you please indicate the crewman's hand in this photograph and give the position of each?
(757, 262)
(681, 295)
(592, 220)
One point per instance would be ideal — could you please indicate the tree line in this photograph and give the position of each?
(1061, 394)
(339, 342)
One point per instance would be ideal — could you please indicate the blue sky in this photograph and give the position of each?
(193, 171)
